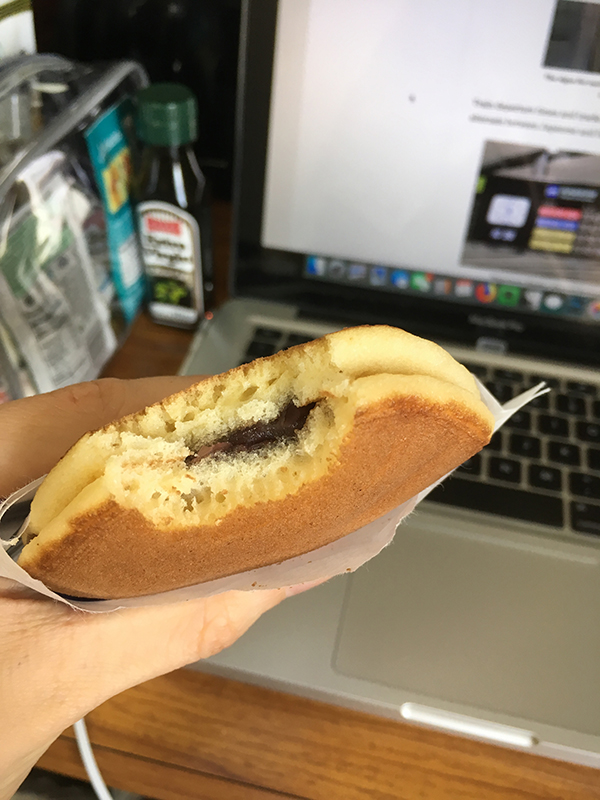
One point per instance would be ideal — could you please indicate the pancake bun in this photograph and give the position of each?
(260, 464)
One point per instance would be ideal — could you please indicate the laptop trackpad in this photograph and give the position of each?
(480, 623)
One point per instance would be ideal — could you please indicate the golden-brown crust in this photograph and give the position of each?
(395, 450)
(206, 411)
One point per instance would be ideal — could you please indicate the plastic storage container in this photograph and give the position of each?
(71, 278)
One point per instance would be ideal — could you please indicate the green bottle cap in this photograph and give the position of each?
(166, 114)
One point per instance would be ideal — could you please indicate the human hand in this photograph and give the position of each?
(56, 663)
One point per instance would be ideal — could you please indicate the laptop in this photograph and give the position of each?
(435, 165)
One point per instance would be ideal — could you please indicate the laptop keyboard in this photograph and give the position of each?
(543, 466)
(267, 341)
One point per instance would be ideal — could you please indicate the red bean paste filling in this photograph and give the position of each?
(283, 428)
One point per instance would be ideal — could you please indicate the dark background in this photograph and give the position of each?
(194, 42)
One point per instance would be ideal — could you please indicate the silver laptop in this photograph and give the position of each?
(436, 165)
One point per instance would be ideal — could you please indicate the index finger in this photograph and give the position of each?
(36, 432)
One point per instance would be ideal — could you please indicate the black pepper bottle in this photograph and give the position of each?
(173, 207)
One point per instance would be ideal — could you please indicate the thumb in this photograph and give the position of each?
(37, 431)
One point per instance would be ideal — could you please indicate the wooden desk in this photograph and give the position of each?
(190, 736)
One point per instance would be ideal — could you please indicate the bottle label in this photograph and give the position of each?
(170, 240)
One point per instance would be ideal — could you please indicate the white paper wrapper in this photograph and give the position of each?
(344, 555)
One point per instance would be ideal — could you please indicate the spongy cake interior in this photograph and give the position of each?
(142, 461)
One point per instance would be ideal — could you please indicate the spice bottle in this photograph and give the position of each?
(173, 206)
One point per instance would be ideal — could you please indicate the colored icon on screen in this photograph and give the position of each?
(315, 265)
(357, 272)
(336, 269)
(463, 288)
(401, 279)
(552, 190)
(575, 305)
(378, 276)
(509, 295)
(593, 309)
(442, 286)
(486, 292)
(553, 302)
(421, 281)
(533, 298)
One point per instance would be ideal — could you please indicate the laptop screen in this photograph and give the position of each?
(427, 158)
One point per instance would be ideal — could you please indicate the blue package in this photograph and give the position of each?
(111, 160)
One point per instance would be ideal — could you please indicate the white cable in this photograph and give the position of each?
(89, 762)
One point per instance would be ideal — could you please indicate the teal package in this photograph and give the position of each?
(111, 160)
